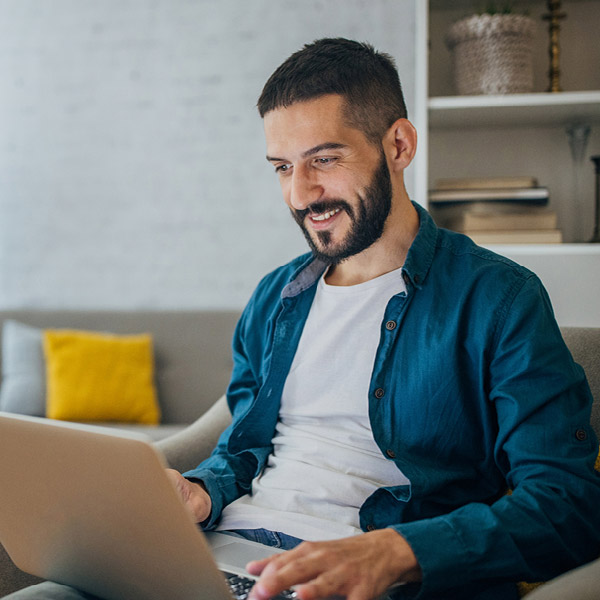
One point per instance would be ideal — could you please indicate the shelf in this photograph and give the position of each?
(532, 110)
(470, 5)
(524, 134)
(546, 249)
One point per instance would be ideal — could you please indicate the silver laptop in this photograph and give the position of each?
(93, 508)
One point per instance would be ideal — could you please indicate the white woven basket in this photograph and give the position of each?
(492, 54)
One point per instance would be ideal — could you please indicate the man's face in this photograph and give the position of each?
(336, 184)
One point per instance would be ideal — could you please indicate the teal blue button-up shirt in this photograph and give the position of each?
(472, 392)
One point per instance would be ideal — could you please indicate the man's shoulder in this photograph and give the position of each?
(450, 260)
(472, 259)
(489, 291)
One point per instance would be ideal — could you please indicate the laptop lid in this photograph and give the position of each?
(93, 508)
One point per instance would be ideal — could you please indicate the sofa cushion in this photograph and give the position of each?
(23, 372)
(192, 349)
(584, 344)
(100, 377)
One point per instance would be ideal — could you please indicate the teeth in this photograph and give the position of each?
(326, 215)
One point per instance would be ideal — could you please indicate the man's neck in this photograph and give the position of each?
(386, 254)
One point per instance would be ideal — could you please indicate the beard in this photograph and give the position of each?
(367, 219)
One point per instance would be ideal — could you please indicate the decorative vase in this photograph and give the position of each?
(492, 54)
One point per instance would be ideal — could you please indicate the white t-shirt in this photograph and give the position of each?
(325, 462)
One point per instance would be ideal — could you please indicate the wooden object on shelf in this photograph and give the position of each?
(554, 17)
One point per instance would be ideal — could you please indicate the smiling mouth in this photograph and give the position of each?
(325, 216)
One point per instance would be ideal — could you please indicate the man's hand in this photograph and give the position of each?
(194, 496)
(360, 568)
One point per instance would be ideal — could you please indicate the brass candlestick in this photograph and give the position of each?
(554, 18)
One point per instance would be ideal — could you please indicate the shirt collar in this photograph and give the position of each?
(416, 267)
(304, 277)
(421, 252)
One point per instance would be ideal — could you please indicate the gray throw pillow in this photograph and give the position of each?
(23, 370)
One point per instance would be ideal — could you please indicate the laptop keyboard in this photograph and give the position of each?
(240, 588)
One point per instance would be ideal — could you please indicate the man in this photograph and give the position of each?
(390, 387)
(396, 381)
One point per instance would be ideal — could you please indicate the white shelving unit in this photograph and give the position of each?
(523, 134)
(542, 109)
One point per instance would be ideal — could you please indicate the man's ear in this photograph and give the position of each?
(400, 144)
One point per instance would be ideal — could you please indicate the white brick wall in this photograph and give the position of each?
(132, 171)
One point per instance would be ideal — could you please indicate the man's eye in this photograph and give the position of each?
(282, 168)
(325, 160)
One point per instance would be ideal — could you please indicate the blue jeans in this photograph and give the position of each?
(55, 591)
(276, 539)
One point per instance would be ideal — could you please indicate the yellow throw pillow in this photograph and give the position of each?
(100, 377)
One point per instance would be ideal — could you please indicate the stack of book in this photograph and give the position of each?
(495, 210)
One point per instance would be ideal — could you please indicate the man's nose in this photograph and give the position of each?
(304, 189)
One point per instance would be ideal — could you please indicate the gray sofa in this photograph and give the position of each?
(193, 363)
(192, 353)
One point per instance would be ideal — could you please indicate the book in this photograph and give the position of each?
(463, 183)
(537, 195)
(542, 218)
(525, 236)
(454, 210)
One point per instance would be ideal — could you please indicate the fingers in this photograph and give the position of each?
(194, 496)
(355, 568)
(278, 572)
(256, 567)
(332, 583)
(327, 573)
(315, 569)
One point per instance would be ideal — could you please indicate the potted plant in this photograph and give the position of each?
(492, 51)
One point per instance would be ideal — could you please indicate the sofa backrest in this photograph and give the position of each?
(192, 350)
(584, 344)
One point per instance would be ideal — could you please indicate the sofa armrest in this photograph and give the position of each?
(578, 584)
(186, 449)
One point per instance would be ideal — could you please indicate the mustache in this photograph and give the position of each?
(321, 207)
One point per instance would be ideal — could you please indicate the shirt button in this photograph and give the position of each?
(371, 527)
(581, 435)
(391, 453)
(379, 393)
(390, 325)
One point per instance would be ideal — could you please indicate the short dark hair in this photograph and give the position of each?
(367, 79)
